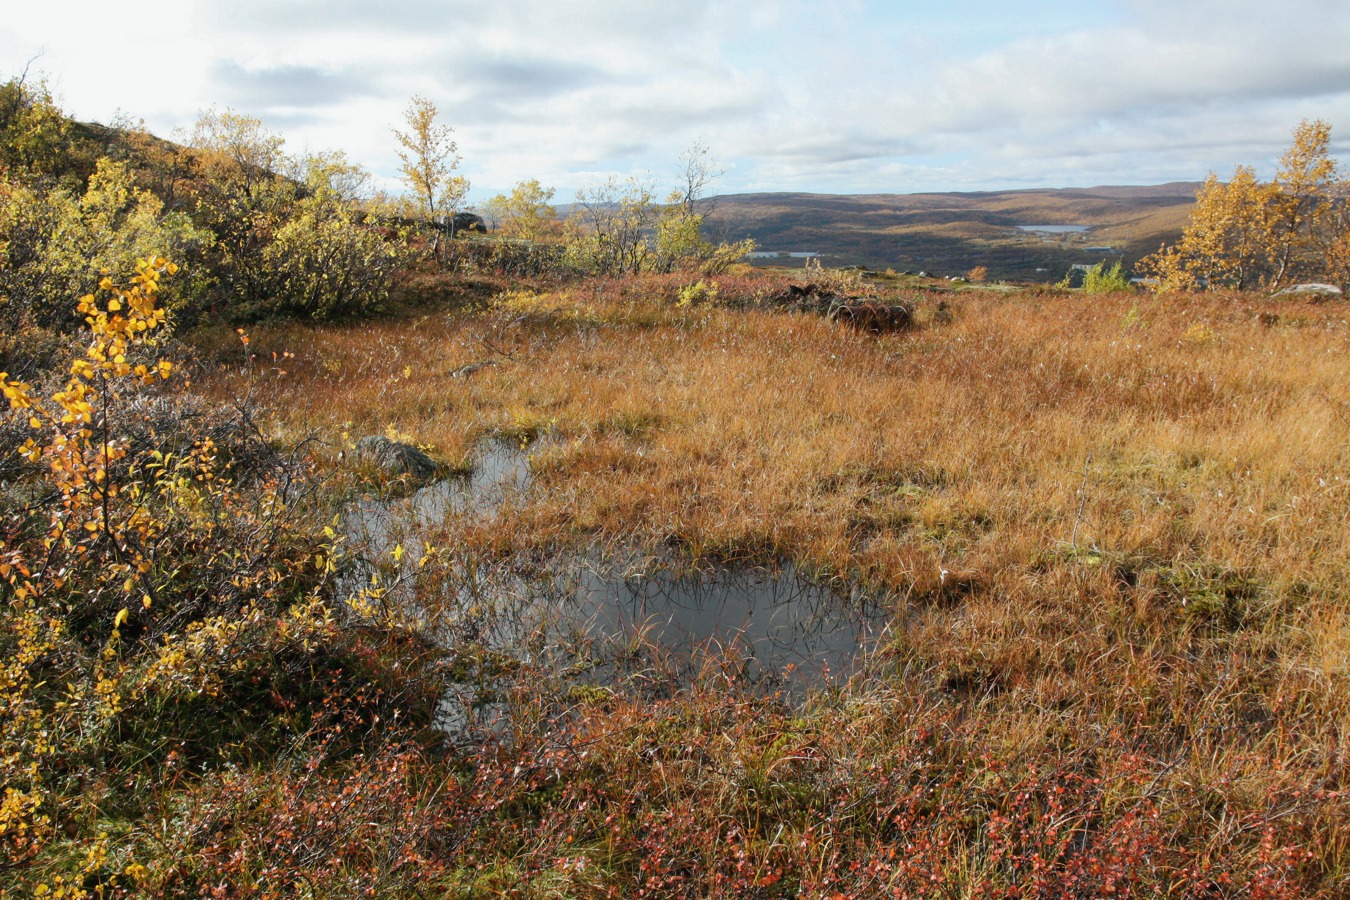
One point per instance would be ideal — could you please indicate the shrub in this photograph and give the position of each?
(163, 619)
(57, 244)
(323, 265)
(1098, 279)
(698, 293)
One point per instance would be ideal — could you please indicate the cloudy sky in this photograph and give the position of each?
(839, 96)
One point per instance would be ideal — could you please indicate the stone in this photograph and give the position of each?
(1305, 290)
(872, 316)
(466, 221)
(395, 458)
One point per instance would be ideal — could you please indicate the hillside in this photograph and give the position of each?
(951, 233)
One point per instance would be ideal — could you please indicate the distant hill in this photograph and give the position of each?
(948, 234)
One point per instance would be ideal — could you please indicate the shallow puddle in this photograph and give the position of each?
(612, 620)
(501, 474)
(786, 629)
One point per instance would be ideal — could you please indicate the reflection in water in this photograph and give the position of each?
(768, 631)
(645, 622)
(776, 618)
(501, 474)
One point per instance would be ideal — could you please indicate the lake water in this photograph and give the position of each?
(786, 629)
(1056, 229)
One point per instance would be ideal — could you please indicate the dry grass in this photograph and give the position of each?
(1113, 531)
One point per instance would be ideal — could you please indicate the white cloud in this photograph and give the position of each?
(801, 94)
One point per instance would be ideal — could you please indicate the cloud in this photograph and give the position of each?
(850, 96)
(1138, 99)
(268, 87)
(503, 79)
(374, 22)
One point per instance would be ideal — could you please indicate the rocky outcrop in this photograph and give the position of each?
(1309, 290)
(806, 298)
(466, 221)
(396, 459)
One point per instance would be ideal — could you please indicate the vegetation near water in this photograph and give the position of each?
(1106, 529)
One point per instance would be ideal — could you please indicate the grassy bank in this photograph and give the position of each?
(1111, 529)
(1109, 532)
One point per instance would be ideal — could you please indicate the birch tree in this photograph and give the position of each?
(430, 158)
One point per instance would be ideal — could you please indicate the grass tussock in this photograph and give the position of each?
(1112, 529)
(1109, 531)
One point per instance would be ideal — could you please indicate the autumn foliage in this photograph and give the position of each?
(1246, 233)
(1105, 534)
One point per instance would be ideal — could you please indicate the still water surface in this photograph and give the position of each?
(777, 629)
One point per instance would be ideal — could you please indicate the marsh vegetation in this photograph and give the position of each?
(705, 591)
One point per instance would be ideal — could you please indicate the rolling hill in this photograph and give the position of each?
(950, 233)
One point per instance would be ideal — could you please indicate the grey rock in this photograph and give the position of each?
(395, 458)
(466, 221)
(1295, 290)
(460, 223)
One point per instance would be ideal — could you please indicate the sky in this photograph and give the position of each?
(826, 96)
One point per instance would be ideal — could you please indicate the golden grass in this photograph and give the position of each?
(1194, 428)
(1102, 521)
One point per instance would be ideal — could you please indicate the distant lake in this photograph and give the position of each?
(1056, 229)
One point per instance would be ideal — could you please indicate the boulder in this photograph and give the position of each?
(805, 298)
(467, 221)
(396, 459)
(460, 222)
(1305, 290)
(872, 316)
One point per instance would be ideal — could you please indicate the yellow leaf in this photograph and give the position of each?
(121, 617)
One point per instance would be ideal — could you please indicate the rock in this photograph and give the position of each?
(461, 222)
(395, 458)
(1304, 290)
(466, 371)
(467, 221)
(872, 316)
(805, 298)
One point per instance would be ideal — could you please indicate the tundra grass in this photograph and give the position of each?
(1113, 531)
